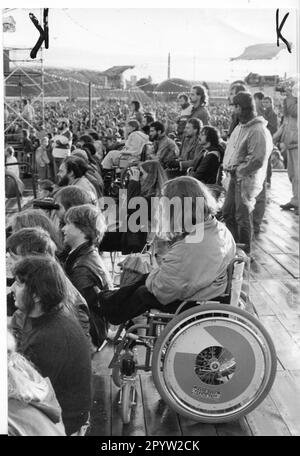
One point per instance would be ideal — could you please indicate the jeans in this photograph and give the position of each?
(130, 302)
(259, 210)
(237, 215)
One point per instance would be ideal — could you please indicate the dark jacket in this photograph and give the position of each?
(56, 345)
(234, 123)
(187, 151)
(201, 112)
(128, 242)
(272, 119)
(75, 304)
(206, 165)
(134, 242)
(165, 149)
(88, 274)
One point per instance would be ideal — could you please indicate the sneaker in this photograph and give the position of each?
(288, 206)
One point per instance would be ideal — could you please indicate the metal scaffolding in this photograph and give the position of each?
(23, 72)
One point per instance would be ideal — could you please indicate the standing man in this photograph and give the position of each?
(289, 137)
(185, 111)
(258, 99)
(199, 100)
(234, 89)
(272, 119)
(249, 148)
(62, 143)
(28, 112)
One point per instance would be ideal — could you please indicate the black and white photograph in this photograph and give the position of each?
(150, 222)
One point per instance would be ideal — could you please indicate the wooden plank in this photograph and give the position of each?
(159, 418)
(282, 299)
(274, 268)
(286, 395)
(101, 360)
(266, 420)
(234, 428)
(137, 423)
(193, 428)
(288, 352)
(292, 325)
(281, 237)
(271, 243)
(260, 299)
(258, 271)
(101, 409)
(294, 287)
(288, 262)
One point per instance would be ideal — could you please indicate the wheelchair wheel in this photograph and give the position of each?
(214, 363)
(128, 394)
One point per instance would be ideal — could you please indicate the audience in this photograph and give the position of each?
(51, 339)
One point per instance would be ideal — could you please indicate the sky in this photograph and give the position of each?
(201, 41)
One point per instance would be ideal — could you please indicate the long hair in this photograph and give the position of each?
(246, 101)
(24, 383)
(32, 218)
(156, 178)
(202, 92)
(44, 281)
(182, 218)
(212, 135)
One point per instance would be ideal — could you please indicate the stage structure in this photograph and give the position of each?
(23, 72)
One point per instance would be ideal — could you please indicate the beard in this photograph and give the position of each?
(64, 181)
(154, 137)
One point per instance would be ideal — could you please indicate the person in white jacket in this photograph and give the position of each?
(193, 268)
(134, 144)
(246, 158)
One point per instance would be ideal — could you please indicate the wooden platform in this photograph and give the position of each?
(274, 290)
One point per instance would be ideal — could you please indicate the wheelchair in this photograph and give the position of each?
(211, 362)
(116, 178)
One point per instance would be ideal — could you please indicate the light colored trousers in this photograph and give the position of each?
(293, 173)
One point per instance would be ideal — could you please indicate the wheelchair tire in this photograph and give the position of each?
(214, 363)
(127, 401)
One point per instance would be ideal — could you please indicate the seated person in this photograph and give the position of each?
(33, 409)
(83, 230)
(36, 241)
(207, 163)
(134, 144)
(164, 148)
(74, 171)
(189, 147)
(52, 339)
(146, 181)
(195, 266)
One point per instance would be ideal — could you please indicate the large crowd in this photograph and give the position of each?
(61, 306)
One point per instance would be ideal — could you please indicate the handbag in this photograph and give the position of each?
(135, 266)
